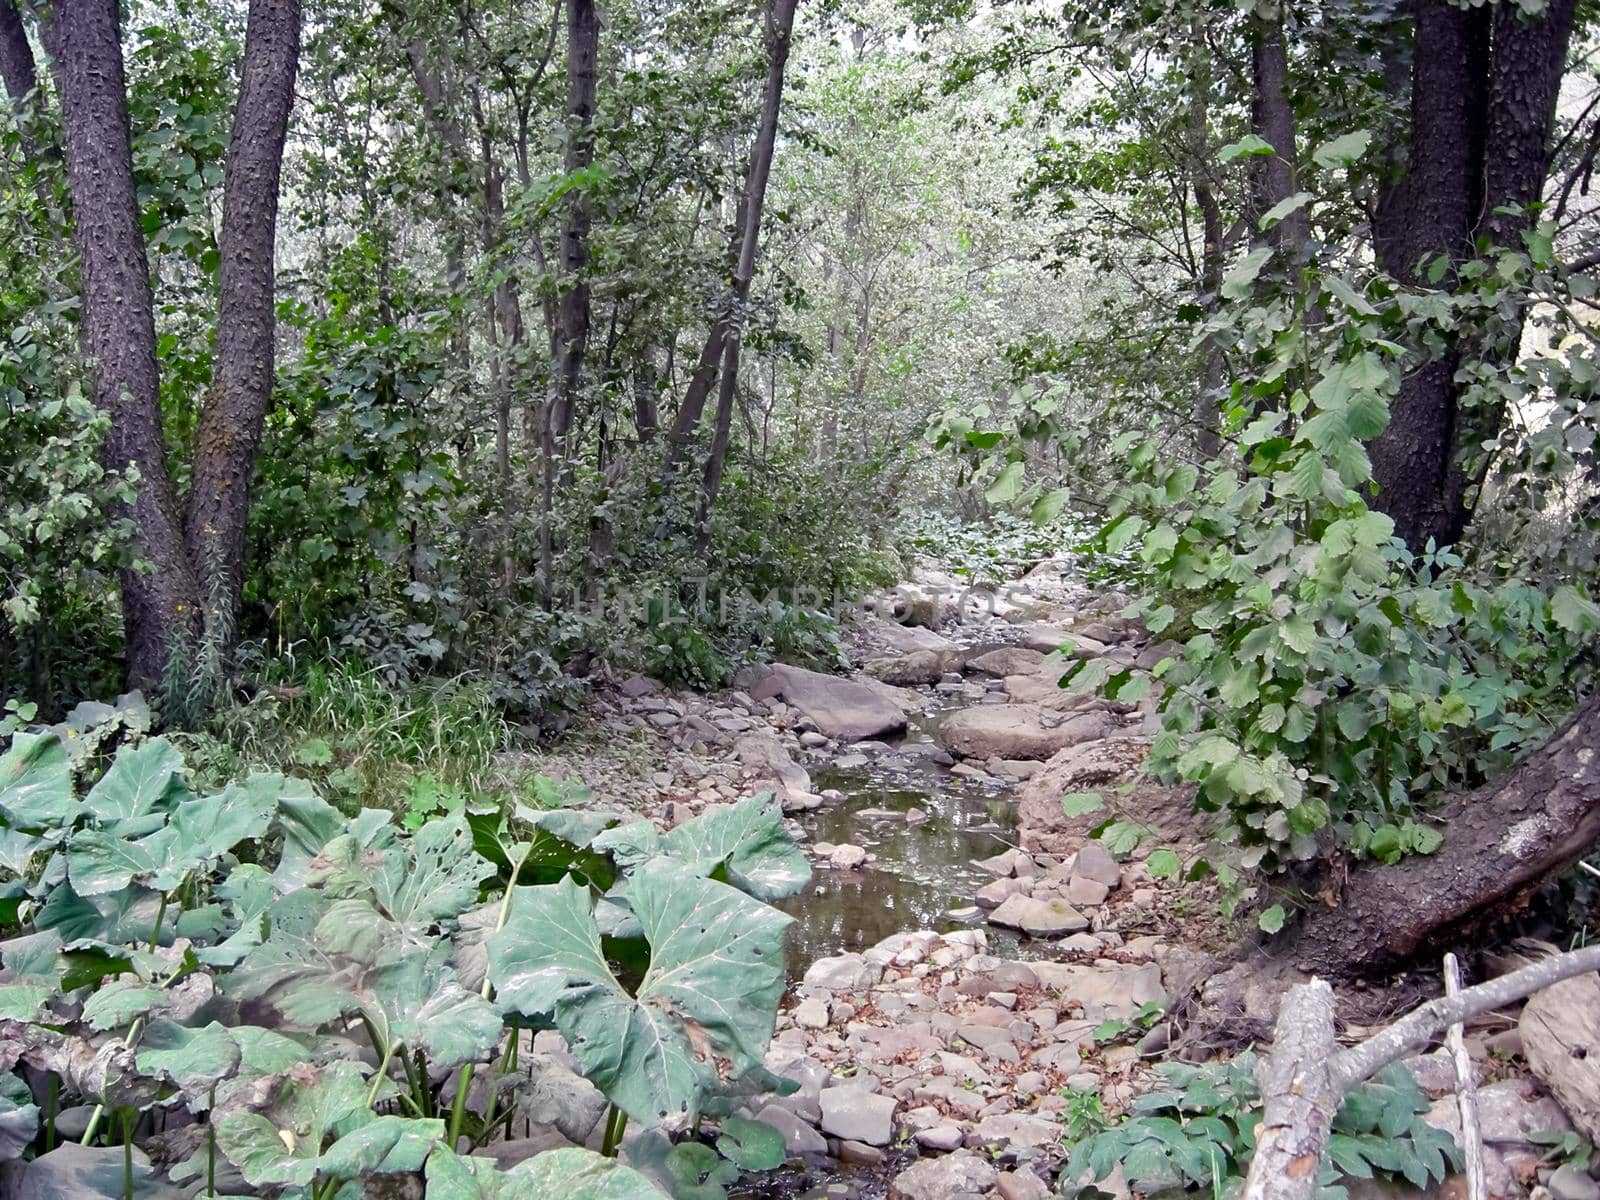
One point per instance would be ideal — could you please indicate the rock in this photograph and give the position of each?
(1015, 1129)
(1044, 638)
(508, 1154)
(906, 670)
(992, 895)
(72, 1172)
(1560, 1030)
(1020, 731)
(1436, 1073)
(1102, 766)
(560, 1097)
(841, 973)
(960, 1176)
(840, 708)
(847, 857)
(767, 756)
(1008, 660)
(72, 1123)
(1105, 991)
(811, 1013)
(1094, 862)
(905, 639)
(854, 1114)
(635, 686)
(798, 1137)
(1042, 688)
(1003, 864)
(859, 1154)
(1038, 918)
(1509, 1113)
(944, 1138)
(1021, 1185)
(1087, 892)
(1568, 1183)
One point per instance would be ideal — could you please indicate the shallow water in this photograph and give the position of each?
(922, 870)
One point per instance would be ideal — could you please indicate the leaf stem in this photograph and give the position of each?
(616, 1123)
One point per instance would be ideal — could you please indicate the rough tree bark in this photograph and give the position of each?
(1207, 411)
(780, 30)
(572, 311)
(1504, 840)
(1273, 121)
(1483, 93)
(229, 433)
(161, 606)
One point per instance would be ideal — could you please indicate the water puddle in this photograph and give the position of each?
(923, 869)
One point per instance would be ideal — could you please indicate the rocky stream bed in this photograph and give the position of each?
(964, 944)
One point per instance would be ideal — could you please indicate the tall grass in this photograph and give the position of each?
(364, 739)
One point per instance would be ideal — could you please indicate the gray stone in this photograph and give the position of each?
(847, 857)
(993, 895)
(854, 1114)
(1569, 1183)
(1021, 1185)
(1007, 660)
(914, 667)
(557, 1096)
(811, 1013)
(860, 1154)
(841, 973)
(944, 1137)
(840, 708)
(798, 1136)
(508, 1154)
(959, 1176)
(1038, 918)
(1090, 892)
(1094, 862)
(1015, 1129)
(1019, 731)
(72, 1123)
(1509, 1113)
(1105, 767)
(73, 1172)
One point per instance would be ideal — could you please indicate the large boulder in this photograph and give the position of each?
(1038, 918)
(909, 669)
(1105, 767)
(841, 708)
(1042, 688)
(1007, 660)
(906, 655)
(769, 758)
(1020, 730)
(960, 1176)
(1560, 1030)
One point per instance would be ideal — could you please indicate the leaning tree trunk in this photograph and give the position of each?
(231, 422)
(161, 606)
(1502, 842)
(780, 28)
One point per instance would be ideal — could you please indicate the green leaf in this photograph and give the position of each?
(1007, 485)
(429, 877)
(570, 1174)
(1285, 208)
(1236, 284)
(141, 780)
(1163, 864)
(19, 1118)
(1342, 151)
(748, 842)
(118, 1002)
(1250, 144)
(195, 1060)
(1050, 505)
(1081, 804)
(1573, 611)
(1271, 919)
(704, 1008)
(36, 783)
(751, 1145)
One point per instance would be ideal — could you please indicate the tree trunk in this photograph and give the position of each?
(229, 433)
(1273, 121)
(780, 29)
(1502, 842)
(161, 606)
(572, 311)
(1207, 407)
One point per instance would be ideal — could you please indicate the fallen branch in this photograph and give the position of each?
(1304, 1079)
(1466, 1090)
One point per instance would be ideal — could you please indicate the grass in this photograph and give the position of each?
(363, 740)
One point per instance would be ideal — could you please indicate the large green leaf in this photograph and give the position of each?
(19, 1117)
(302, 1136)
(570, 1174)
(141, 781)
(196, 1060)
(430, 877)
(747, 842)
(704, 1009)
(36, 783)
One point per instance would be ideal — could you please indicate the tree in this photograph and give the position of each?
(187, 576)
(1484, 84)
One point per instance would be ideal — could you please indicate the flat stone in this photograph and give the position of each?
(1021, 1185)
(811, 1013)
(860, 1154)
(993, 895)
(1568, 1183)
(913, 667)
(798, 1136)
(853, 1114)
(841, 708)
(943, 1138)
(1094, 862)
(1038, 918)
(841, 973)
(1088, 892)
(1509, 1113)
(1007, 660)
(1015, 1129)
(848, 857)
(959, 1176)
(1020, 731)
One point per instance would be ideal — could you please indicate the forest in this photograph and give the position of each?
(848, 600)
